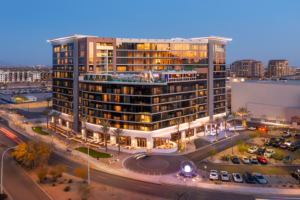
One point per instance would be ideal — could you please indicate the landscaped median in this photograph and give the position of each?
(93, 153)
(39, 130)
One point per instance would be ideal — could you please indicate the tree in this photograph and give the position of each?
(243, 112)
(85, 191)
(84, 120)
(57, 171)
(47, 113)
(212, 152)
(42, 173)
(225, 118)
(48, 99)
(118, 134)
(217, 120)
(189, 121)
(277, 155)
(239, 142)
(32, 154)
(55, 116)
(82, 172)
(71, 117)
(243, 148)
(177, 123)
(234, 115)
(105, 129)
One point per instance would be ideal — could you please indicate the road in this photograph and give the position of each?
(132, 185)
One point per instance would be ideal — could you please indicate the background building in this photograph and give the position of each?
(278, 68)
(274, 99)
(140, 85)
(19, 76)
(248, 68)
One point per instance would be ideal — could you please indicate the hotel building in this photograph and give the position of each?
(140, 85)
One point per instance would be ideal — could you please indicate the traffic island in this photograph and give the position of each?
(93, 153)
(39, 130)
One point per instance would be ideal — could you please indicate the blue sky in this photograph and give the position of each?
(261, 30)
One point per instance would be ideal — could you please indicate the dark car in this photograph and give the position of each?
(295, 173)
(284, 146)
(261, 151)
(248, 177)
(275, 144)
(281, 140)
(268, 143)
(286, 134)
(288, 158)
(297, 136)
(294, 147)
(272, 140)
(234, 159)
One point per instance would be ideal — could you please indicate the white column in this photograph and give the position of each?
(150, 143)
(195, 131)
(83, 133)
(182, 135)
(133, 142)
(113, 139)
(221, 126)
(96, 136)
(52, 119)
(60, 121)
(68, 124)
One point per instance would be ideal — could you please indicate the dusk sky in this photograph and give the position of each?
(261, 30)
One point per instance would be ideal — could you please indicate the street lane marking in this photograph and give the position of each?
(146, 187)
(102, 177)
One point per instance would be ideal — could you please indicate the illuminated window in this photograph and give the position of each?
(117, 108)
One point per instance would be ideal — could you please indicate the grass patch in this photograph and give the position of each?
(39, 130)
(93, 153)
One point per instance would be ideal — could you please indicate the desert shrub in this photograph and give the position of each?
(243, 148)
(70, 181)
(225, 157)
(61, 182)
(253, 135)
(278, 155)
(53, 184)
(67, 189)
(212, 152)
(217, 182)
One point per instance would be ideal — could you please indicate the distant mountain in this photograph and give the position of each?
(3, 63)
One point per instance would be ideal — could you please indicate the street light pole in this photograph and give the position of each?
(89, 162)
(232, 143)
(205, 171)
(2, 167)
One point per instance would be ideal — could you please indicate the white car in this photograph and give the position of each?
(259, 178)
(252, 149)
(238, 128)
(237, 177)
(224, 176)
(213, 175)
(251, 128)
(244, 159)
(269, 153)
(289, 142)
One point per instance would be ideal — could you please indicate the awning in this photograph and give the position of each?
(165, 136)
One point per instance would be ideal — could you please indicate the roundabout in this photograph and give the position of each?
(154, 164)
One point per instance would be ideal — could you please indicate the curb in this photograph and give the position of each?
(227, 163)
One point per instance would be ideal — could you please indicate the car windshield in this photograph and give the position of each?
(269, 151)
(252, 148)
(213, 174)
(245, 158)
(260, 177)
(224, 174)
(238, 176)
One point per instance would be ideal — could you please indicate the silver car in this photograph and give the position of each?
(237, 177)
(244, 159)
(213, 175)
(259, 178)
(224, 176)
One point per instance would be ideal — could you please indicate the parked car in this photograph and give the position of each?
(248, 177)
(213, 175)
(261, 151)
(268, 143)
(234, 159)
(252, 128)
(261, 128)
(244, 160)
(224, 176)
(272, 140)
(289, 142)
(286, 134)
(296, 136)
(281, 140)
(259, 178)
(288, 158)
(276, 144)
(295, 173)
(262, 159)
(284, 146)
(294, 146)
(237, 178)
(253, 159)
(269, 153)
(252, 149)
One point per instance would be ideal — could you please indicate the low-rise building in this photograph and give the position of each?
(246, 68)
(278, 68)
(19, 76)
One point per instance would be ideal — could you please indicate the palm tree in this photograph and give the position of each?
(225, 118)
(177, 123)
(217, 120)
(55, 116)
(189, 121)
(243, 112)
(118, 133)
(48, 99)
(71, 117)
(234, 114)
(47, 112)
(84, 120)
(105, 129)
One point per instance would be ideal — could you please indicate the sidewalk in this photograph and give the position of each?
(159, 179)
